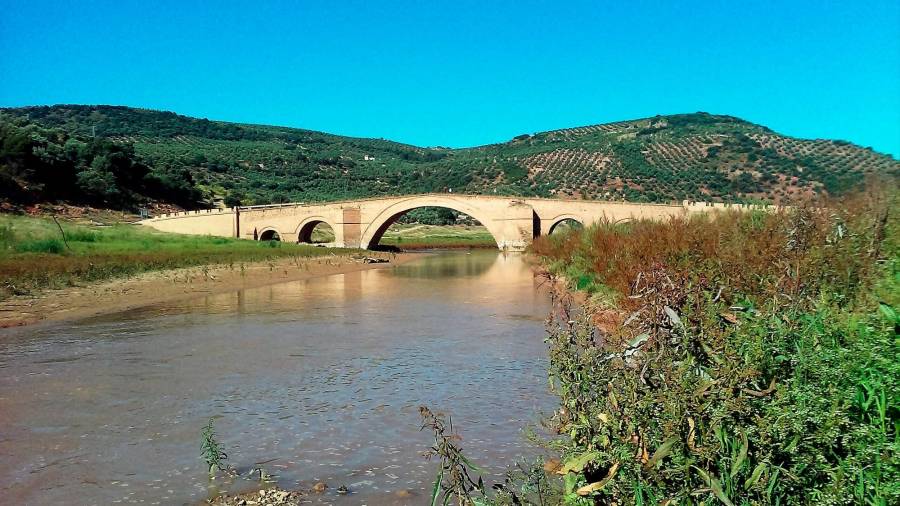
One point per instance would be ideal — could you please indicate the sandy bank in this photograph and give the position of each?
(154, 287)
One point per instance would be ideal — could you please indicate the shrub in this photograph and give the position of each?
(81, 235)
(54, 246)
(211, 449)
(7, 236)
(744, 358)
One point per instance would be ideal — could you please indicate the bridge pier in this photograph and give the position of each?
(351, 228)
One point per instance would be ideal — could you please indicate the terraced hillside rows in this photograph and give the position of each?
(667, 158)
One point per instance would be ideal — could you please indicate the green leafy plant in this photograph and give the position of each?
(528, 483)
(211, 450)
(454, 479)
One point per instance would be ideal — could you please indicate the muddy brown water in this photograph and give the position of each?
(320, 379)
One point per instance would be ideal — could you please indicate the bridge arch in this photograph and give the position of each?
(555, 222)
(306, 227)
(269, 234)
(388, 216)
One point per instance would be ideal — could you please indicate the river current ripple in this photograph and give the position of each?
(320, 379)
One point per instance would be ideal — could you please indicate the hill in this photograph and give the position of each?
(120, 156)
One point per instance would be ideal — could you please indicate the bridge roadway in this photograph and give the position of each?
(512, 221)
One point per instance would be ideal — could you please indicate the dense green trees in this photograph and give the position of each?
(48, 164)
(435, 216)
(234, 199)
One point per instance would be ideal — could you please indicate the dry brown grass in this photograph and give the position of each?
(760, 253)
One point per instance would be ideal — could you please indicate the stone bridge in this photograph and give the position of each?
(512, 221)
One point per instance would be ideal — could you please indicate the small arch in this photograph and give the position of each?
(316, 231)
(269, 234)
(565, 222)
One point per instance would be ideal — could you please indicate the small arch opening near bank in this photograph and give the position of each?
(316, 231)
(428, 227)
(269, 234)
(565, 224)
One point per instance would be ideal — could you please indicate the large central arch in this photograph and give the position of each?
(387, 217)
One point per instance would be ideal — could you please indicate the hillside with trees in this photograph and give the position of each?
(120, 157)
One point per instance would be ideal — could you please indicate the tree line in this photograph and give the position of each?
(48, 164)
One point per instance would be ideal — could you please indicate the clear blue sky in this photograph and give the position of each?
(466, 73)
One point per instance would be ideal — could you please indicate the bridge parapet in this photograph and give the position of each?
(219, 222)
(182, 214)
(694, 206)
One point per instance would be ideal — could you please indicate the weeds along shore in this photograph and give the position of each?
(746, 358)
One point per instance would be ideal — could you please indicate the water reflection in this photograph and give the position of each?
(324, 375)
(440, 266)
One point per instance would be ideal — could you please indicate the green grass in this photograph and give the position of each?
(33, 254)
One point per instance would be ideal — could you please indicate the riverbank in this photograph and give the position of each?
(91, 299)
(760, 347)
(37, 253)
(96, 263)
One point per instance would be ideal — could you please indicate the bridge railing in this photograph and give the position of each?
(181, 214)
(706, 206)
(684, 203)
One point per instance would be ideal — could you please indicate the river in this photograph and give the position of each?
(320, 379)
